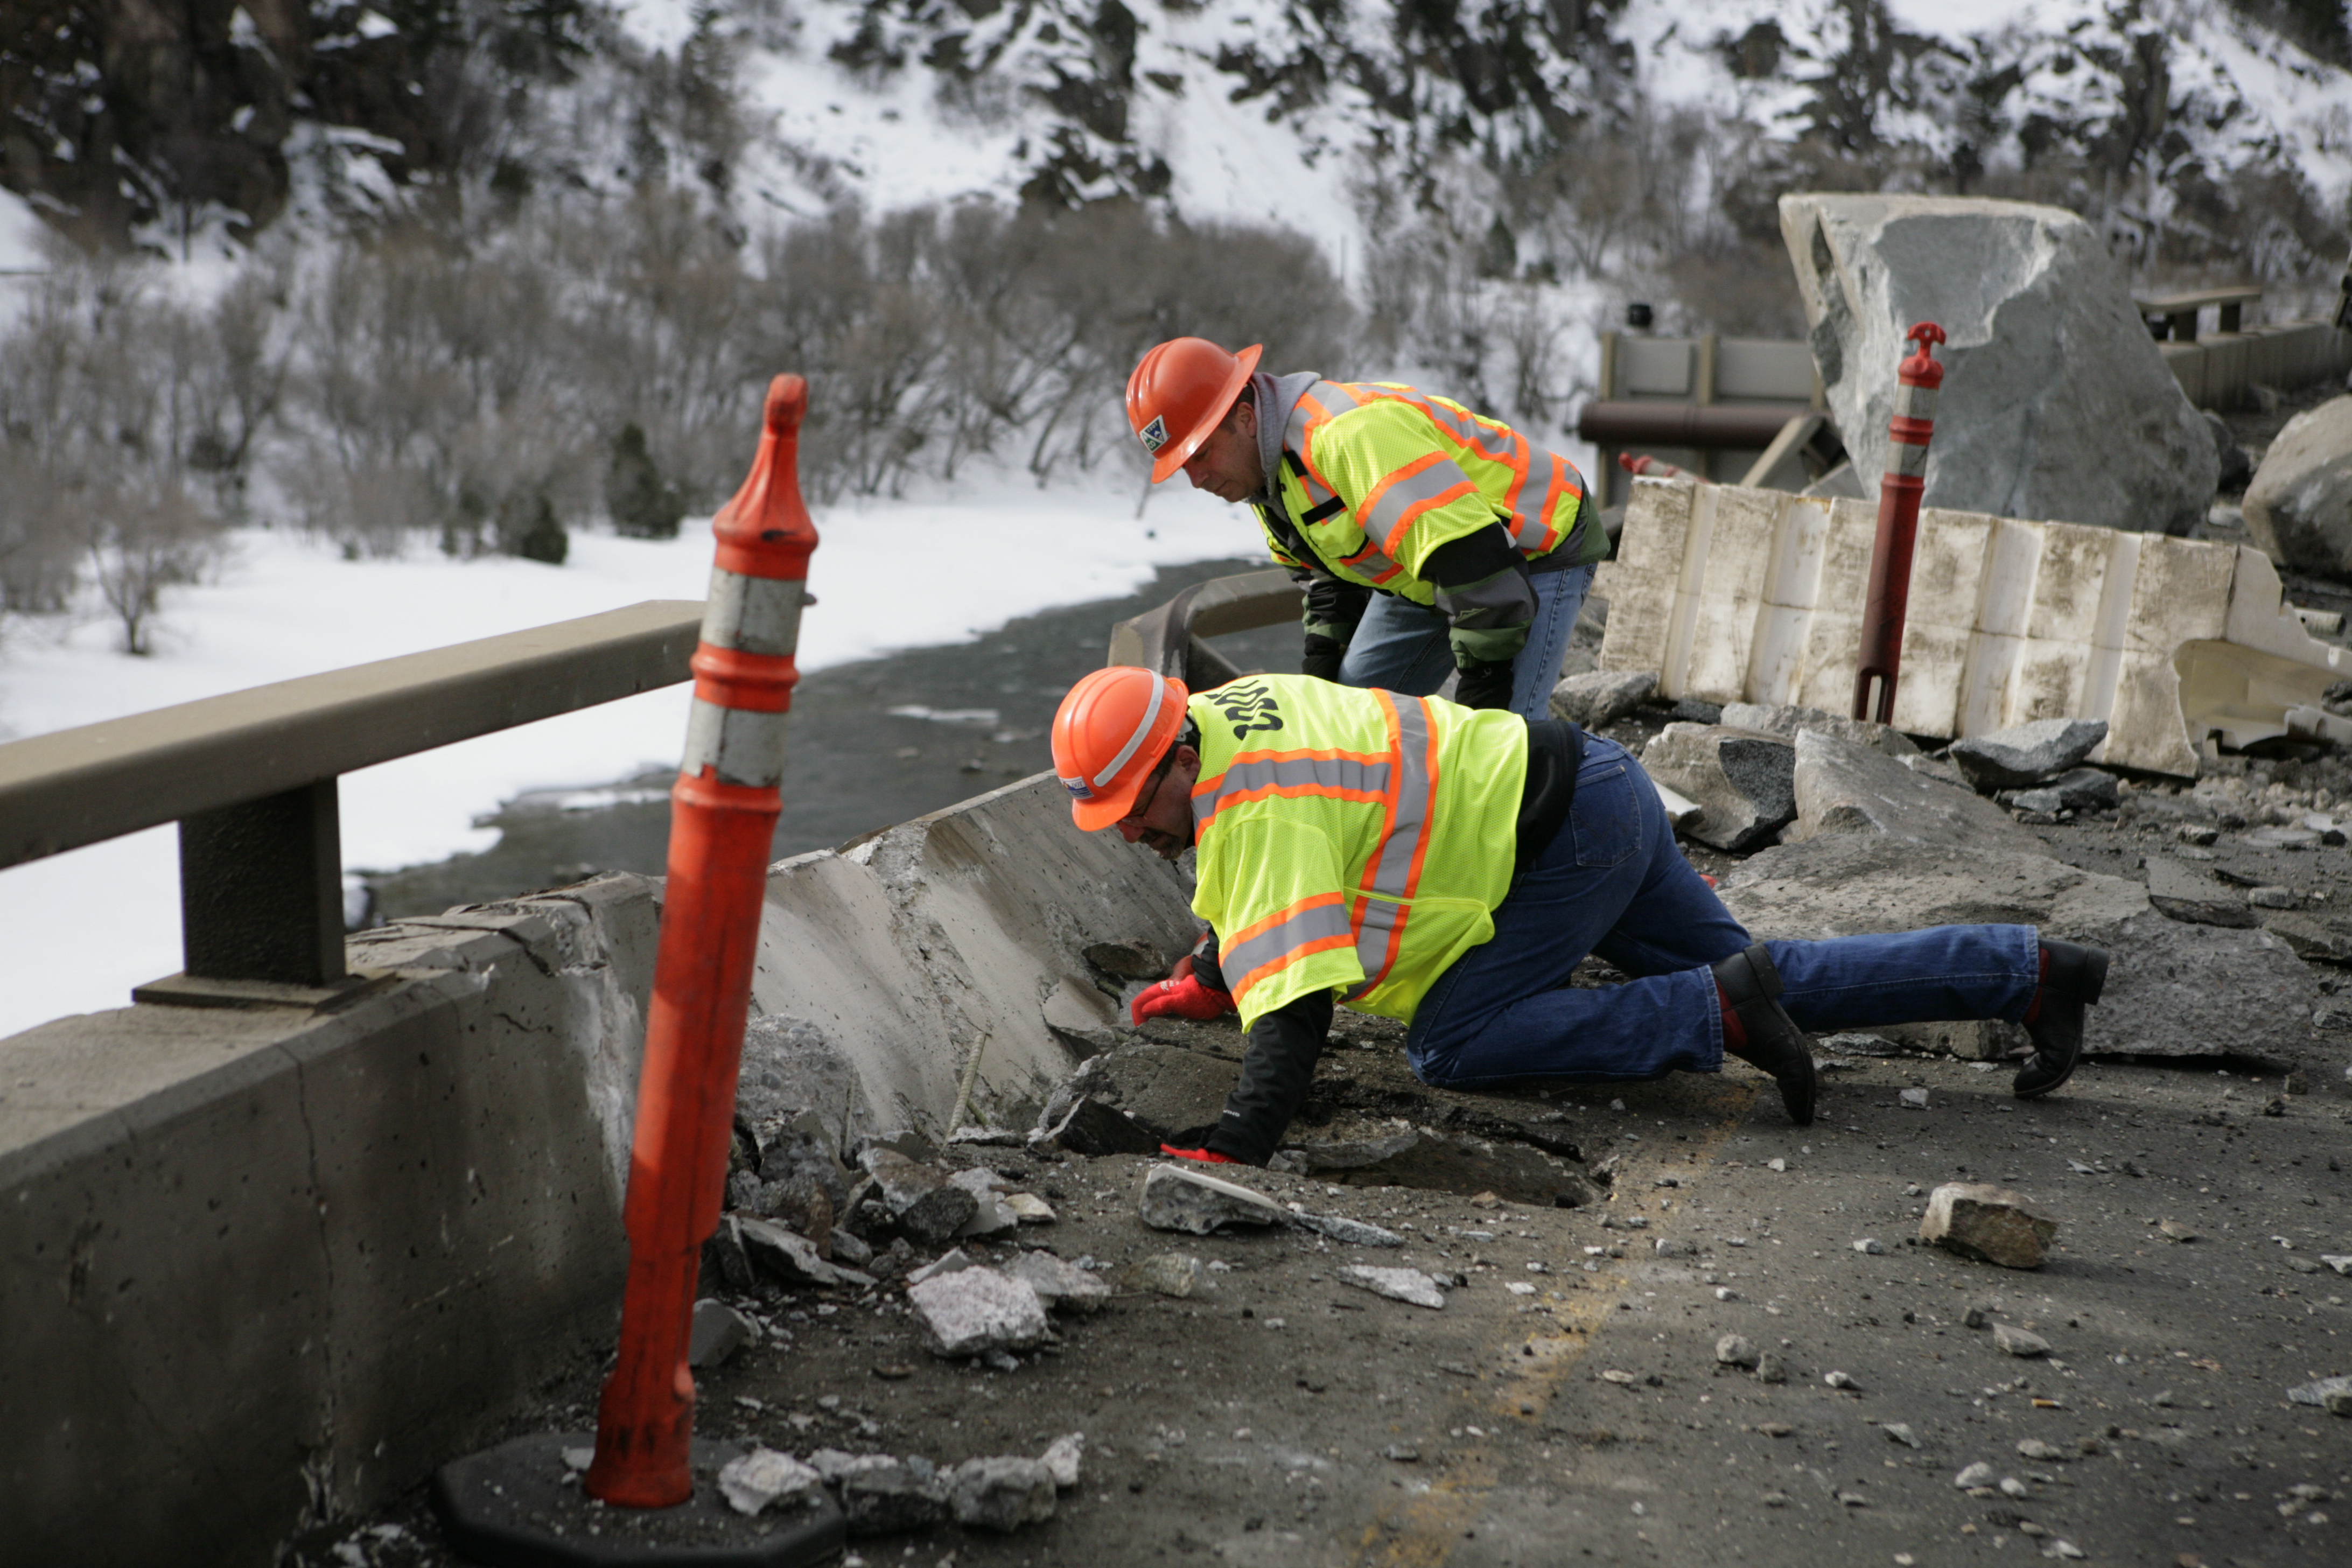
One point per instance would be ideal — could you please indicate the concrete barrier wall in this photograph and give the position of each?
(892, 960)
(261, 1266)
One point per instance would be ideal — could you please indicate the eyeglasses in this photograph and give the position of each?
(1151, 790)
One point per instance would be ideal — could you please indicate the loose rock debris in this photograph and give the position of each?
(1410, 1285)
(1978, 1220)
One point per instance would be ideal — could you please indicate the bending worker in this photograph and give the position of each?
(1448, 868)
(1429, 539)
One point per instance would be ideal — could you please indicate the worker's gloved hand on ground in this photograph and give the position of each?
(1484, 683)
(1183, 994)
(1206, 1156)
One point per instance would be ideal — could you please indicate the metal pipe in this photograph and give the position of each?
(722, 816)
(1889, 594)
(1704, 427)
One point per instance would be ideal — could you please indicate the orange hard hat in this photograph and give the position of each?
(1109, 733)
(1179, 392)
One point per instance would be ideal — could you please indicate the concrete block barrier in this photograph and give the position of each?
(1736, 594)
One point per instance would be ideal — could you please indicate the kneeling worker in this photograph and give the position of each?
(1429, 539)
(1449, 868)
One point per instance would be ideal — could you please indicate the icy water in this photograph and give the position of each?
(872, 743)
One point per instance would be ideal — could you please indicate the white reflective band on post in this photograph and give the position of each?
(752, 614)
(740, 746)
(1915, 401)
(1910, 462)
(1159, 695)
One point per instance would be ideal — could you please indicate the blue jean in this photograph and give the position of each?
(1400, 646)
(1613, 883)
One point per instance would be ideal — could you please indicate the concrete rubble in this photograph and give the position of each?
(2027, 755)
(1060, 1286)
(1979, 1220)
(764, 1478)
(1410, 1285)
(1176, 1198)
(1174, 1274)
(1841, 787)
(1743, 783)
(718, 1332)
(2046, 358)
(1599, 698)
(975, 1310)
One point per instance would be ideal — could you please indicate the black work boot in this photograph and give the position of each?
(2071, 978)
(1750, 983)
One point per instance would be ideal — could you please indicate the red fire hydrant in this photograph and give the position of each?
(1911, 428)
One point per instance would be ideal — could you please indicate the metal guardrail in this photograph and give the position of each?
(1168, 640)
(250, 777)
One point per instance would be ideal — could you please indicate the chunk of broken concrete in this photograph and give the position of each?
(1062, 1285)
(764, 1478)
(791, 1259)
(925, 1206)
(2024, 755)
(1164, 1274)
(2075, 416)
(1000, 1493)
(883, 1496)
(1339, 1227)
(1062, 1456)
(2192, 895)
(2321, 1392)
(1410, 1285)
(1601, 698)
(1844, 788)
(1094, 1130)
(1414, 1158)
(1737, 1350)
(2076, 789)
(1028, 1208)
(1175, 1198)
(2310, 936)
(2018, 1342)
(1786, 719)
(1744, 782)
(990, 1213)
(718, 1332)
(1979, 1220)
(975, 1311)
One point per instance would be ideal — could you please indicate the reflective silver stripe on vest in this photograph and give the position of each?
(1322, 775)
(1321, 922)
(1439, 481)
(1371, 564)
(1392, 870)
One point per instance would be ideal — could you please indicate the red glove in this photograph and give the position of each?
(1206, 1156)
(1181, 995)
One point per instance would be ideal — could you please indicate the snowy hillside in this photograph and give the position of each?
(1305, 115)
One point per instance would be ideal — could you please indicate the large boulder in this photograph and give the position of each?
(2056, 403)
(2299, 506)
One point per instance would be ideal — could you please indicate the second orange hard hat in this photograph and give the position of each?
(1179, 392)
(1108, 734)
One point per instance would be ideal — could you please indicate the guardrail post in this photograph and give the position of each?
(1889, 594)
(261, 889)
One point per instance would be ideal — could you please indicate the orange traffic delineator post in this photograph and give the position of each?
(1889, 597)
(723, 812)
(511, 1504)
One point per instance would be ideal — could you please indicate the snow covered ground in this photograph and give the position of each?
(80, 929)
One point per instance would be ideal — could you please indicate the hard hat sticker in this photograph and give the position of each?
(1078, 789)
(1154, 436)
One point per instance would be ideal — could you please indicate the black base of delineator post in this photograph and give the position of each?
(520, 1505)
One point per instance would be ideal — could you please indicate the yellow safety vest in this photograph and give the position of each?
(1376, 475)
(1350, 840)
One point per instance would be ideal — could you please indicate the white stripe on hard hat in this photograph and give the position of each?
(1158, 692)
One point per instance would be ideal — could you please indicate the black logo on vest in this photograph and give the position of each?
(1248, 705)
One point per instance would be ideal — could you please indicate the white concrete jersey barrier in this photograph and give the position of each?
(1735, 594)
